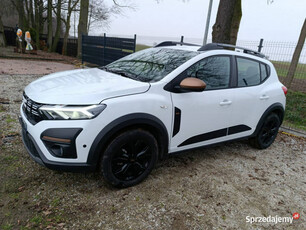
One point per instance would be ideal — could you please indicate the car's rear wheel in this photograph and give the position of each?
(129, 158)
(267, 132)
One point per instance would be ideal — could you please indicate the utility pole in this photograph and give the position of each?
(207, 22)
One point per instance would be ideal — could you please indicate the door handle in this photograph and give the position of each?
(264, 97)
(225, 102)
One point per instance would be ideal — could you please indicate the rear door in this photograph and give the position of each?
(251, 95)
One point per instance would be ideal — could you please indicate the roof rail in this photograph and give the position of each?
(214, 46)
(172, 43)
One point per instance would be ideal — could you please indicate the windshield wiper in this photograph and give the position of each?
(125, 74)
(120, 72)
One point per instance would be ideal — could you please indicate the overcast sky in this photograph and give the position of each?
(280, 21)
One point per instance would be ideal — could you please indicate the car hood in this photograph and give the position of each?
(82, 87)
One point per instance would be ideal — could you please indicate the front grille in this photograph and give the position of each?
(29, 143)
(30, 109)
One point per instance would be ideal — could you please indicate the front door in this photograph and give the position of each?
(202, 118)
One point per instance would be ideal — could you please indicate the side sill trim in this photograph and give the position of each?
(215, 134)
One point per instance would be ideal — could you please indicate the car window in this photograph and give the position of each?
(263, 71)
(214, 71)
(150, 65)
(248, 72)
(268, 70)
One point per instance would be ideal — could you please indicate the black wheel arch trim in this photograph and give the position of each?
(276, 108)
(121, 123)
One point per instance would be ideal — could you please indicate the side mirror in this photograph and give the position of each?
(192, 84)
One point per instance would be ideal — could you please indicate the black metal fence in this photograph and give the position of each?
(95, 50)
(72, 45)
(104, 50)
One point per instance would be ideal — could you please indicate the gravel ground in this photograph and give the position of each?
(210, 188)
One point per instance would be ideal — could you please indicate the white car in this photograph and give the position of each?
(122, 118)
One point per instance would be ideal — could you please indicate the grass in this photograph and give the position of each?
(141, 47)
(7, 227)
(2, 109)
(9, 119)
(36, 220)
(283, 67)
(295, 115)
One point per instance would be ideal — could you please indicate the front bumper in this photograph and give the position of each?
(38, 156)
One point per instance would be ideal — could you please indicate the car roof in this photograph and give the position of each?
(183, 47)
(208, 47)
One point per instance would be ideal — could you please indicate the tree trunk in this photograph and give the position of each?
(71, 6)
(20, 9)
(37, 23)
(2, 37)
(296, 56)
(58, 25)
(31, 15)
(41, 17)
(227, 23)
(236, 22)
(26, 3)
(64, 50)
(50, 33)
(89, 19)
(83, 21)
(67, 24)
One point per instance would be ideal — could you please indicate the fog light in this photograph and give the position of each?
(57, 150)
(61, 142)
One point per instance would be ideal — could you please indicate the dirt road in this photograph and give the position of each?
(13, 66)
(212, 188)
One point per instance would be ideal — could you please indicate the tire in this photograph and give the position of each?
(267, 132)
(129, 158)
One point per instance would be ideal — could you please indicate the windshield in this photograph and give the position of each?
(150, 65)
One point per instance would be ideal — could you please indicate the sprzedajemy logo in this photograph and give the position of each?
(272, 219)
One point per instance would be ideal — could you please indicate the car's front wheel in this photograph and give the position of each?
(267, 132)
(129, 158)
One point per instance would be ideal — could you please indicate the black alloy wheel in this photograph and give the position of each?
(129, 158)
(267, 133)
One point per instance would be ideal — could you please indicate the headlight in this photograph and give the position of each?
(59, 112)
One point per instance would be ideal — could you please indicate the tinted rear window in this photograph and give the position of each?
(248, 72)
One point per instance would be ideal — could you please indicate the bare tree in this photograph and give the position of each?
(100, 12)
(71, 5)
